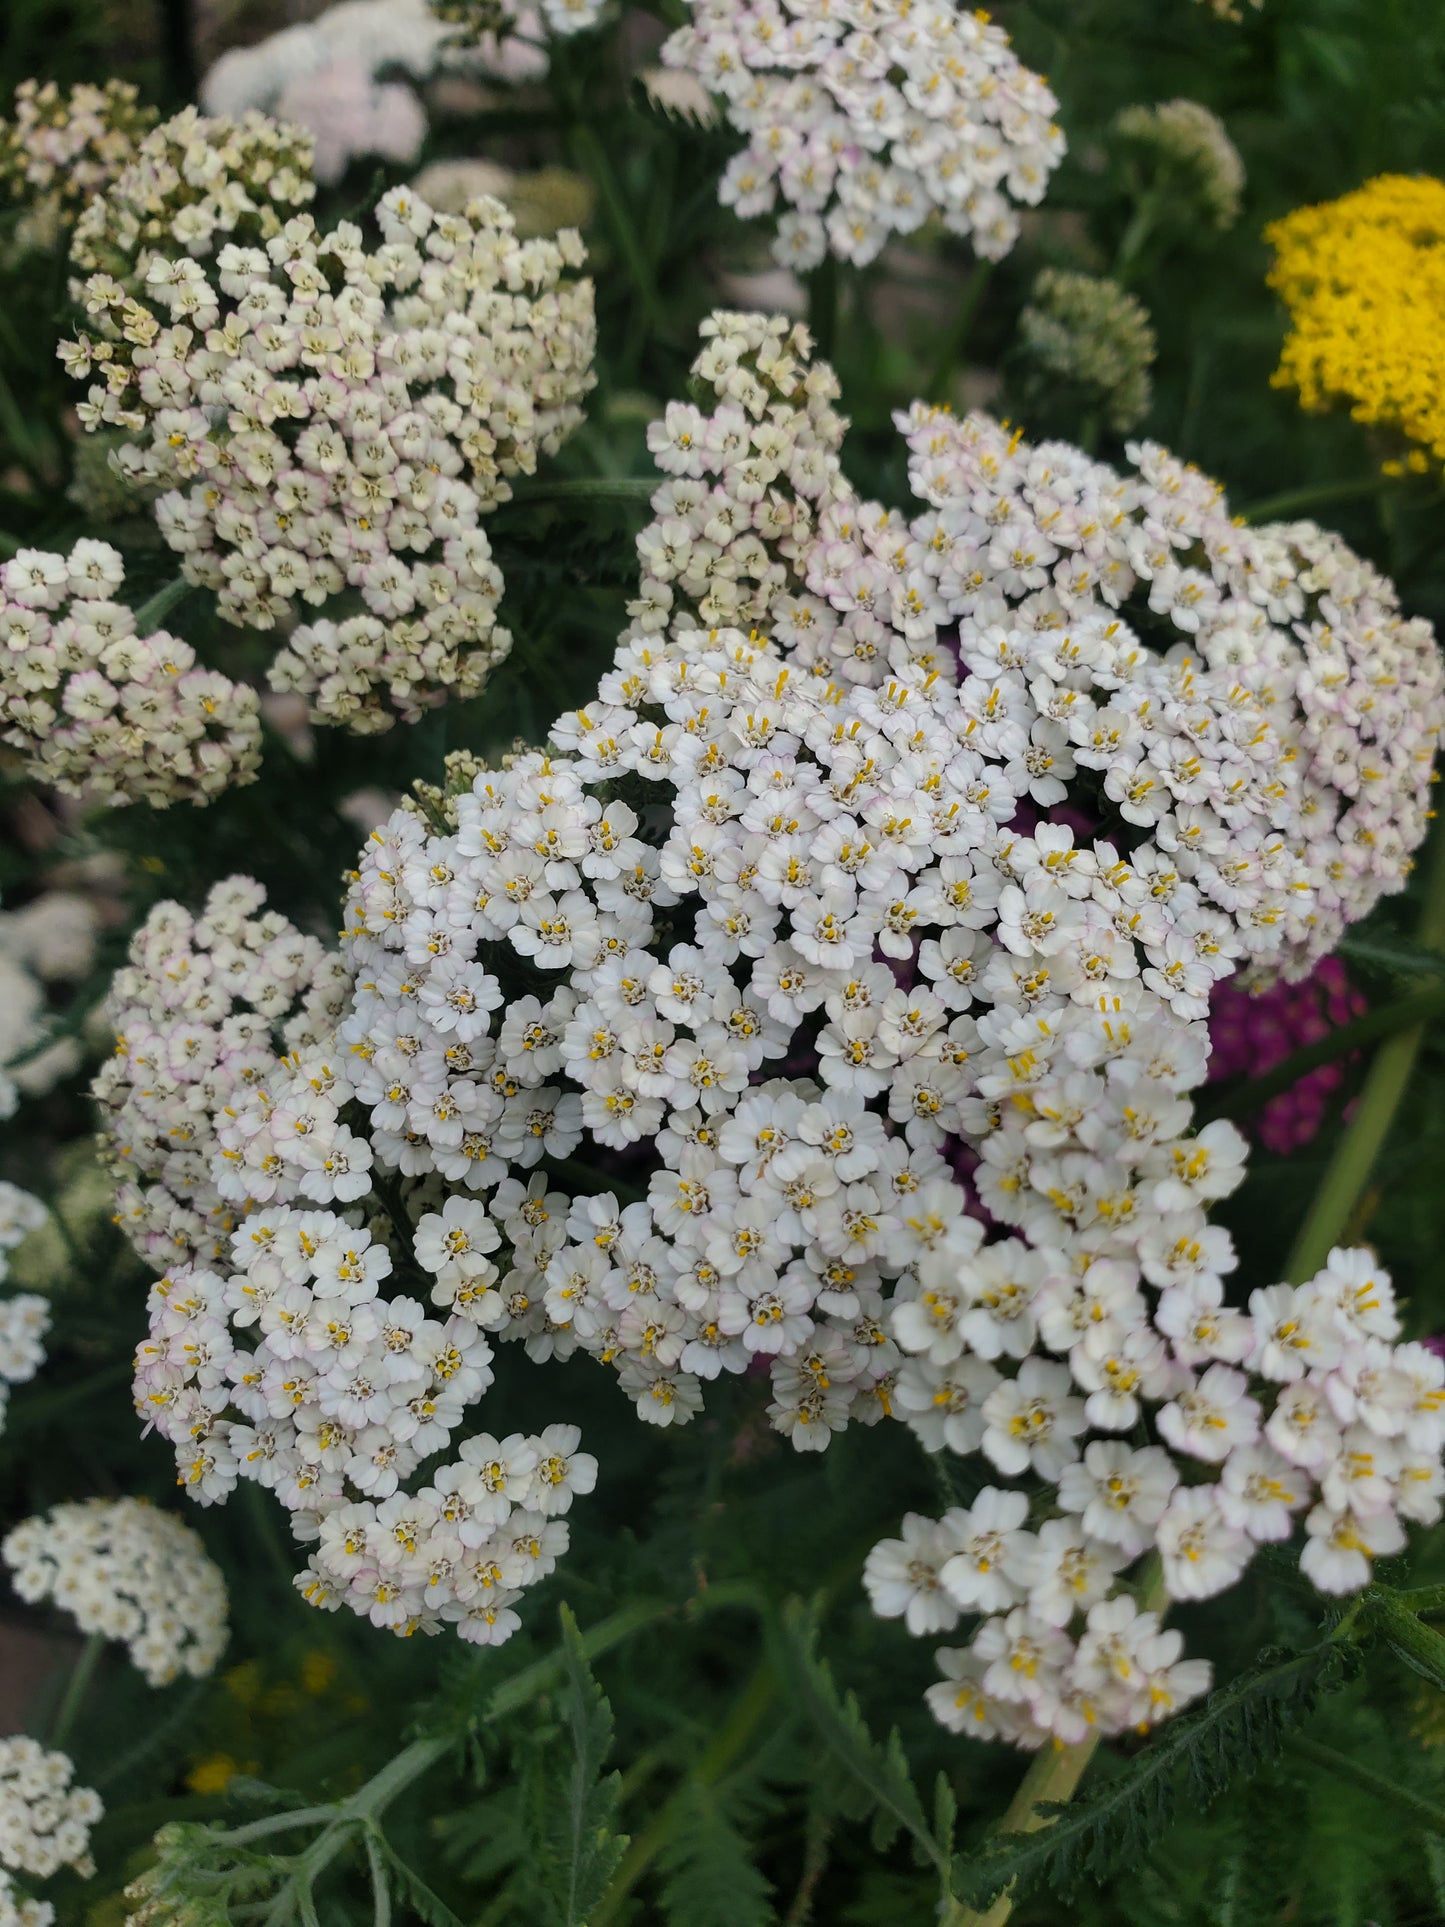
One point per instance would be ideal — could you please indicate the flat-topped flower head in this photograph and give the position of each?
(202, 1012)
(328, 420)
(131, 1573)
(102, 712)
(63, 147)
(866, 118)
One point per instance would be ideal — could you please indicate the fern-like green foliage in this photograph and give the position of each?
(1238, 1727)
(710, 1876)
(585, 1845)
(880, 1767)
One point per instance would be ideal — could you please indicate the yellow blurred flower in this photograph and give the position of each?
(1364, 281)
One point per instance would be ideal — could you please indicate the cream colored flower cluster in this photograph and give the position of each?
(104, 712)
(131, 1573)
(45, 1821)
(330, 418)
(194, 184)
(863, 118)
(65, 147)
(202, 1011)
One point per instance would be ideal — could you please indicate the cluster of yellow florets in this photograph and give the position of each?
(1364, 281)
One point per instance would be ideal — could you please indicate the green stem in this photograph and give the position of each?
(1288, 506)
(748, 1712)
(1136, 235)
(80, 1677)
(1054, 1776)
(1431, 1817)
(1246, 1098)
(951, 353)
(381, 1892)
(594, 158)
(151, 614)
(1344, 1182)
(823, 307)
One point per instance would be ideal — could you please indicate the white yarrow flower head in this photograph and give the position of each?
(882, 1082)
(45, 1820)
(131, 1573)
(328, 419)
(862, 122)
(100, 711)
(203, 1013)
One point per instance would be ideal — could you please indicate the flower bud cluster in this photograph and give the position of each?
(343, 1395)
(131, 1573)
(201, 1010)
(102, 711)
(193, 185)
(1185, 151)
(65, 147)
(865, 119)
(327, 418)
(24, 1316)
(45, 1822)
(1092, 336)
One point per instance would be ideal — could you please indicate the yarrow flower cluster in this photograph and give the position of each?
(327, 418)
(202, 1010)
(1253, 1030)
(45, 1821)
(1301, 1405)
(1091, 335)
(24, 1316)
(1182, 154)
(865, 118)
(131, 1573)
(780, 930)
(1364, 283)
(103, 711)
(61, 148)
(494, 27)
(1245, 710)
(194, 184)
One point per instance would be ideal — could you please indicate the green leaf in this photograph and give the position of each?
(1237, 1728)
(879, 1767)
(428, 1906)
(1421, 1647)
(588, 1848)
(709, 1875)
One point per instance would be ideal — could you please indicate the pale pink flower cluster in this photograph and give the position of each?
(202, 1011)
(1244, 712)
(327, 418)
(129, 1572)
(194, 184)
(66, 147)
(102, 711)
(864, 118)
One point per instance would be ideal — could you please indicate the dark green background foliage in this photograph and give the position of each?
(707, 1768)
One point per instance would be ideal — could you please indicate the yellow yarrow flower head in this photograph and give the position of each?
(1363, 278)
